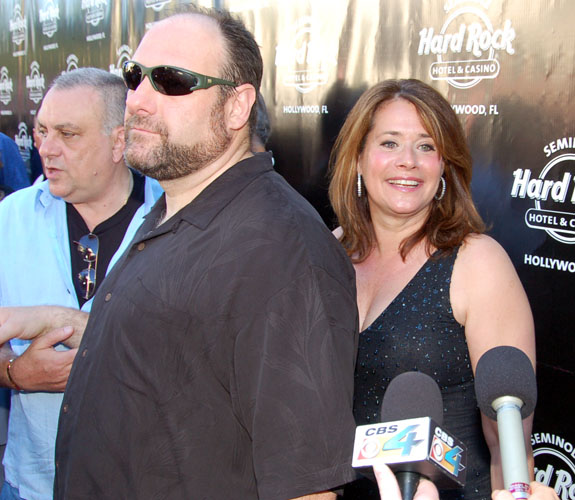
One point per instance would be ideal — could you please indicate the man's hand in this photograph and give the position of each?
(41, 367)
(389, 489)
(27, 323)
(21, 322)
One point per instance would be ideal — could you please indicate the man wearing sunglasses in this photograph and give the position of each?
(58, 238)
(218, 357)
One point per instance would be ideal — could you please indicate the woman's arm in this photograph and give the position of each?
(489, 300)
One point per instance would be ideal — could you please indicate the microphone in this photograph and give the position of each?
(506, 391)
(411, 440)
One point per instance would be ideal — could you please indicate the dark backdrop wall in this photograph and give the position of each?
(505, 65)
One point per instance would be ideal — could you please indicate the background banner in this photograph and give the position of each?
(506, 66)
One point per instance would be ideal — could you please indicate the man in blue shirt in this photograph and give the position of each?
(13, 174)
(58, 239)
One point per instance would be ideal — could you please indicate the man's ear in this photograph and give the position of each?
(239, 106)
(118, 144)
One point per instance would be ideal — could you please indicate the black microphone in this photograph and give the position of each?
(411, 440)
(506, 391)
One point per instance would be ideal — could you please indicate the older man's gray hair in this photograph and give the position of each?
(110, 87)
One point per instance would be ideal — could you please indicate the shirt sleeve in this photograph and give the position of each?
(294, 365)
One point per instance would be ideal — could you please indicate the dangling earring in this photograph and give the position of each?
(442, 189)
(358, 185)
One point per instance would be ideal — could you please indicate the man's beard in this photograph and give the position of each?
(169, 161)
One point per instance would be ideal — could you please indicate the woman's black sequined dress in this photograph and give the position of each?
(417, 332)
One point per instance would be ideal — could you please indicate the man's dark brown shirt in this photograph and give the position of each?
(218, 359)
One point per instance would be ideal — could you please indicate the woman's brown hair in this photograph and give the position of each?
(451, 218)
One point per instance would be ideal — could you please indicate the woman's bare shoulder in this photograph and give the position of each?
(480, 252)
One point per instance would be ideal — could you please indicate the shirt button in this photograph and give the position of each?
(141, 246)
(108, 297)
(84, 352)
(65, 408)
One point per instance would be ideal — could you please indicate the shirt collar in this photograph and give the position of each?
(44, 196)
(152, 191)
(216, 196)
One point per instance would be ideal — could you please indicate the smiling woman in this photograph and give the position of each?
(449, 219)
(399, 165)
(433, 292)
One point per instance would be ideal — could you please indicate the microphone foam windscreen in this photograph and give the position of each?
(505, 371)
(412, 395)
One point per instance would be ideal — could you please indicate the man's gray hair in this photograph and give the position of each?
(110, 87)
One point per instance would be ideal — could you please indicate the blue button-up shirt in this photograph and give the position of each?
(35, 269)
